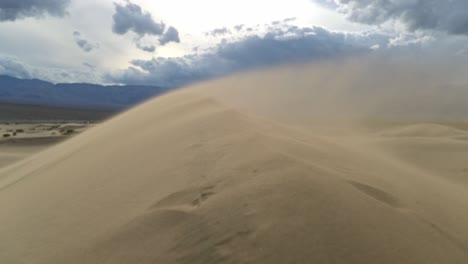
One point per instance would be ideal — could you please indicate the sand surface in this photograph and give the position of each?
(20, 140)
(218, 175)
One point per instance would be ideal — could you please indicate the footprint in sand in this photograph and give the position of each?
(377, 194)
(193, 197)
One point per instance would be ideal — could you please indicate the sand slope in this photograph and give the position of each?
(186, 179)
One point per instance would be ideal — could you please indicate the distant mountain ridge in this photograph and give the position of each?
(80, 95)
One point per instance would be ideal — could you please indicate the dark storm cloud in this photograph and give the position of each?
(84, 44)
(284, 45)
(131, 18)
(11, 10)
(448, 16)
(171, 35)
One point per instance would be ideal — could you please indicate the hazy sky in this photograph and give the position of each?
(171, 43)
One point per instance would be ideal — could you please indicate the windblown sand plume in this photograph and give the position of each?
(279, 166)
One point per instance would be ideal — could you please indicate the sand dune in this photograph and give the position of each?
(426, 130)
(197, 176)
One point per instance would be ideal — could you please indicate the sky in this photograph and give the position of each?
(177, 42)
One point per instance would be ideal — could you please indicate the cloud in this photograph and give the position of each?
(289, 19)
(219, 32)
(284, 21)
(404, 39)
(327, 3)
(84, 44)
(242, 28)
(239, 27)
(11, 10)
(143, 47)
(13, 66)
(171, 35)
(446, 16)
(131, 18)
(283, 45)
(89, 65)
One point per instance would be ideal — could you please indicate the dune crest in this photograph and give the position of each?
(189, 178)
(426, 130)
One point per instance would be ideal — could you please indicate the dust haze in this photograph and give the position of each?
(351, 89)
(356, 161)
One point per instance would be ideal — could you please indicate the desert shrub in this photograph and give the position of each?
(6, 135)
(68, 131)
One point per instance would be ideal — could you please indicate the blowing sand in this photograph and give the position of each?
(206, 175)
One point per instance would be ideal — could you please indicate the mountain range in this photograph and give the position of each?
(79, 95)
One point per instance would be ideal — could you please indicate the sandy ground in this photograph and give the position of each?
(20, 140)
(202, 176)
